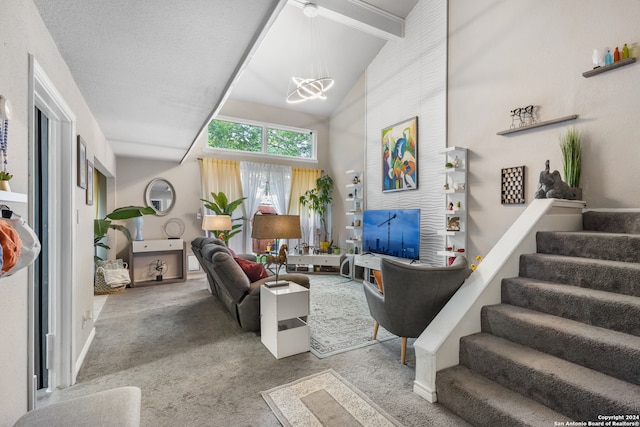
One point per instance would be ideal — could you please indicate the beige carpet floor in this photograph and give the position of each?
(196, 367)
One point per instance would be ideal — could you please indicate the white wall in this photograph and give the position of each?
(347, 138)
(406, 79)
(507, 54)
(22, 33)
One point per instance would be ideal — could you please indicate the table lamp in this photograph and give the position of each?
(277, 227)
(218, 224)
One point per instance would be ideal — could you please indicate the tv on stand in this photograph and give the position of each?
(392, 232)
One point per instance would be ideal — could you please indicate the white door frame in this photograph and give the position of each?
(62, 215)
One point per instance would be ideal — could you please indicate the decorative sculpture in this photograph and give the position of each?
(551, 186)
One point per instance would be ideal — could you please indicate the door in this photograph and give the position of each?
(41, 265)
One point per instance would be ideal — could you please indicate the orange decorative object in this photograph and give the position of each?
(616, 55)
(11, 245)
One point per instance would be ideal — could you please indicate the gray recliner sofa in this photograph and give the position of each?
(231, 285)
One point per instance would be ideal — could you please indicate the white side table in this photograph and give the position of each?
(282, 331)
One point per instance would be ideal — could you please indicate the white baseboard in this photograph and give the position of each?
(83, 354)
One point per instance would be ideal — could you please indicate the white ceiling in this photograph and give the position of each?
(154, 72)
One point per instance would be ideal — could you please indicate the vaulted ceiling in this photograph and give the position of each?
(155, 72)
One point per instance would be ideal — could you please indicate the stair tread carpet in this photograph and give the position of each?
(596, 307)
(613, 222)
(606, 275)
(578, 392)
(590, 244)
(483, 402)
(614, 353)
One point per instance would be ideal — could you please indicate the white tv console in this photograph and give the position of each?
(374, 262)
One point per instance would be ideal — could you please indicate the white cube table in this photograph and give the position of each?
(282, 330)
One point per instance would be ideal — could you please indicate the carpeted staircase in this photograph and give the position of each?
(565, 342)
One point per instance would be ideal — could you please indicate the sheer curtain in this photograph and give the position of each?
(255, 178)
(302, 180)
(221, 175)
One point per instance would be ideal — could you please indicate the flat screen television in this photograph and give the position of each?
(394, 232)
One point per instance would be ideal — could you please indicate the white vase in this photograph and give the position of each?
(139, 221)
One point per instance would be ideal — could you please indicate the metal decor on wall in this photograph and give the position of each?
(513, 185)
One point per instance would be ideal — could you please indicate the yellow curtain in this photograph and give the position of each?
(302, 180)
(220, 175)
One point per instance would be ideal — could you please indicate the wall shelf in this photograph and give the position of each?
(9, 196)
(539, 124)
(609, 67)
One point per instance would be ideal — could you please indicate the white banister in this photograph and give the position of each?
(438, 346)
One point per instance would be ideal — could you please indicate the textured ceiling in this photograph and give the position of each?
(153, 72)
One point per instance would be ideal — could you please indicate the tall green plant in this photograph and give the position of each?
(318, 199)
(102, 226)
(571, 147)
(221, 205)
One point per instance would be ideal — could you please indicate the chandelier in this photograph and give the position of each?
(314, 87)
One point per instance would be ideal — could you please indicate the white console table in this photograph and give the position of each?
(282, 330)
(321, 263)
(143, 255)
(374, 262)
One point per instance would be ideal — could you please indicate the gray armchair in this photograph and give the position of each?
(411, 295)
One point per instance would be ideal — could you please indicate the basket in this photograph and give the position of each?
(111, 277)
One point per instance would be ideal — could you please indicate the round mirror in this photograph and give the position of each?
(160, 195)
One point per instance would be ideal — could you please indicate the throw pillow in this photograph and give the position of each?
(254, 270)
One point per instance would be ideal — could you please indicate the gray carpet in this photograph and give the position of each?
(196, 367)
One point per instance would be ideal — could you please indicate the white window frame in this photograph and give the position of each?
(265, 126)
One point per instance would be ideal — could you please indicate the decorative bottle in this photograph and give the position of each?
(608, 59)
(616, 55)
(625, 51)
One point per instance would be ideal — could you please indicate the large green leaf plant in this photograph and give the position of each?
(318, 200)
(102, 226)
(221, 205)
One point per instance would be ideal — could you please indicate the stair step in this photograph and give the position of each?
(605, 275)
(590, 244)
(612, 222)
(578, 392)
(612, 353)
(594, 307)
(485, 403)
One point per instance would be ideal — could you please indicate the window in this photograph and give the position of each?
(262, 138)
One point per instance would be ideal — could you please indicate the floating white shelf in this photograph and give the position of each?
(10, 196)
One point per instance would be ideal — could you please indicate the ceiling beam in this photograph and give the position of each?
(360, 15)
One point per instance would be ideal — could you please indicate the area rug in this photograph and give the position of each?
(324, 399)
(339, 318)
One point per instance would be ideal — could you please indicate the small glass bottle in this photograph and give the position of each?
(616, 55)
(608, 59)
(625, 51)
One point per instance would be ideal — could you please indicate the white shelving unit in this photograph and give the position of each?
(355, 206)
(455, 208)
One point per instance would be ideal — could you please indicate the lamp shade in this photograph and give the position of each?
(216, 222)
(276, 227)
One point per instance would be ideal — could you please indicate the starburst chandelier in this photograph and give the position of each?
(313, 87)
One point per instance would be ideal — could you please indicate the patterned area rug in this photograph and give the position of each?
(324, 399)
(339, 318)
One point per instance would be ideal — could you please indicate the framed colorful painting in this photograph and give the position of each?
(400, 156)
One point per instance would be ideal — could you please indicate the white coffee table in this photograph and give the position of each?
(282, 330)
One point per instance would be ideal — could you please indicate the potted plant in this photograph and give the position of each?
(571, 147)
(222, 206)
(102, 226)
(5, 177)
(318, 200)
